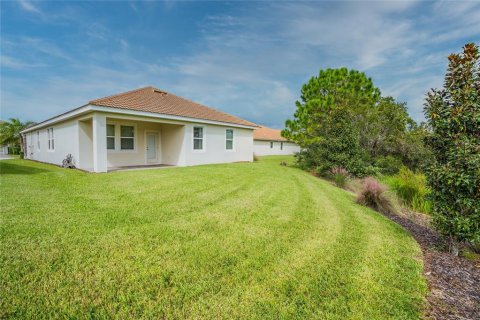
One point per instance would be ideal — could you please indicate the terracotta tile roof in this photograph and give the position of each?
(150, 99)
(269, 134)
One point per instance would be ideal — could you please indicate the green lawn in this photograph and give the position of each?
(245, 240)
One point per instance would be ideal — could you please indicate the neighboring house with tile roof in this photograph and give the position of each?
(268, 141)
(146, 126)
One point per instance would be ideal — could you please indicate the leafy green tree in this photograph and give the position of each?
(334, 95)
(340, 148)
(391, 134)
(10, 133)
(453, 114)
(384, 127)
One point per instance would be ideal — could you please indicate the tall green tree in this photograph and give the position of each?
(323, 98)
(340, 146)
(384, 127)
(453, 114)
(390, 133)
(10, 133)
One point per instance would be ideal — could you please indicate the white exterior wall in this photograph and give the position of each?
(262, 148)
(172, 145)
(214, 145)
(65, 142)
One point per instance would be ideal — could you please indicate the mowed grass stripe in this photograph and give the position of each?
(303, 293)
(223, 241)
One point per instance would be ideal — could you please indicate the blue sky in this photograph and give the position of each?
(246, 58)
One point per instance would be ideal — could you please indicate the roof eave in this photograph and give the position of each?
(94, 107)
(275, 140)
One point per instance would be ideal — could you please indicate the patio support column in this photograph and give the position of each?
(99, 126)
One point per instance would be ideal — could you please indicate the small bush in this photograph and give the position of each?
(411, 188)
(373, 195)
(372, 171)
(15, 150)
(255, 158)
(389, 165)
(340, 176)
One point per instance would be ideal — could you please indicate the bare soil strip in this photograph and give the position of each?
(454, 282)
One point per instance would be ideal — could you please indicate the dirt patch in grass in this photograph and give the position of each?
(454, 282)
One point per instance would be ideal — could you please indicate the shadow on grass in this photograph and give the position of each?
(11, 167)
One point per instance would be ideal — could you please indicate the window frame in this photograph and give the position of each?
(114, 136)
(203, 139)
(51, 139)
(118, 125)
(232, 139)
(134, 138)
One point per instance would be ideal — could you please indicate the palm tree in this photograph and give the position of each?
(10, 133)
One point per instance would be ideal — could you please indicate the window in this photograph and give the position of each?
(127, 138)
(38, 140)
(271, 144)
(281, 145)
(110, 137)
(197, 138)
(51, 139)
(229, 139)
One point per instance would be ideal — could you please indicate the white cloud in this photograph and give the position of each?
(28, 6)
(14, 63)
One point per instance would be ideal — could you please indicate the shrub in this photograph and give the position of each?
(373, 195)
(411, 188)
(388, 165)
(15, 150)
(339, 175)
(372, 171)
(255, 158)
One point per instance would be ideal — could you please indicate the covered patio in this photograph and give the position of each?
(111, 143)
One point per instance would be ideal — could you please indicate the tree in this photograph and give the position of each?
(384, 127)
(453, 115)
(339, 147)
(10, 133)
(323, 100)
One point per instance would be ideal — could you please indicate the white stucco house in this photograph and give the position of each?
(269, 142)
(146, 126)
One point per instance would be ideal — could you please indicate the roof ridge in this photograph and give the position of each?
(121, 94)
